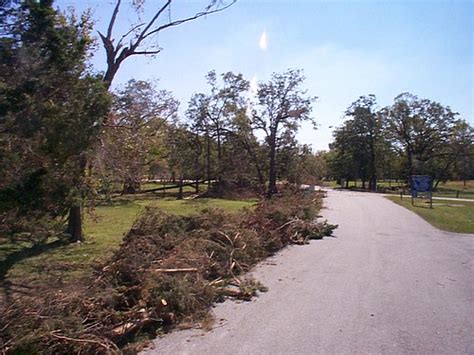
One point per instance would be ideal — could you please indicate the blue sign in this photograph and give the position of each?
(420, 183)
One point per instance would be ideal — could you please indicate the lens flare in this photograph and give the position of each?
(263, 42)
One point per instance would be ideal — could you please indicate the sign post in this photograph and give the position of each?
(421, 183)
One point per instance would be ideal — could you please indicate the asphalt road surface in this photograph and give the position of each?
(388, 283)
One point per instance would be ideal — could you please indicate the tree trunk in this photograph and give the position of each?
(272, 189)
(197, 173)
(74, 227)
(410, 164)
(112, 69)
(373, 175)
(208, 160)
(74, 222)
(219, 158)
(372, 164)
(130, 186)
(258, 168)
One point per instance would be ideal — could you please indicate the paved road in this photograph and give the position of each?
(389, 283)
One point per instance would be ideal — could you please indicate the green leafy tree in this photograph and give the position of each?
(51, 111)
(134, 137)
(367, 129)
(419, 130)
(217, 116)
(462, 143)
(185, 156)
(281, 106)
(305, 167)
(343, 160)
(454, 160)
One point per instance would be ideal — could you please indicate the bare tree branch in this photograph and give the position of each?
(146, 52)
(112, 20)
(179, 22)
(117, 53)
(143, 34)
(119, 43)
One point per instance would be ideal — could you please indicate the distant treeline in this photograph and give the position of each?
(412, 136)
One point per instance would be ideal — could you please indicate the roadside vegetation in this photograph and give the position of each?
(447, 215)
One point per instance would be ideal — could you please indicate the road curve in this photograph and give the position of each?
(388, 283)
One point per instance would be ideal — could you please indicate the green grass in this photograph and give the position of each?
(104, 229)
(458, 185)
(456, 189)
(330, 183)
(451, 216)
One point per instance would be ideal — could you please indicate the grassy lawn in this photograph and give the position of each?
(104, 229)
(458, 185)
(456, 189)
(451, 216)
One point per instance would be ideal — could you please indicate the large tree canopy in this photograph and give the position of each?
(419, 129)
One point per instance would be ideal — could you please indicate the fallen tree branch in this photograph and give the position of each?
(131, 327)
(90, 341)
(174, 271)
(294, 220)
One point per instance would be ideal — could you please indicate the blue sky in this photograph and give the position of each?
(345, 48)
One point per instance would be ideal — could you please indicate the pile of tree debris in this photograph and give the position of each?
(169, 270)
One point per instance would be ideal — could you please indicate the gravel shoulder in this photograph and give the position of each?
(388, 282)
